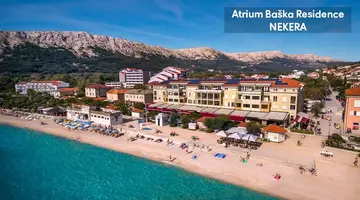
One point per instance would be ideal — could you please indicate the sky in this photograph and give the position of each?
(178, 24)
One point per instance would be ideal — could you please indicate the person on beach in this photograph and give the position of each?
(355, 161)
(247, 156)
(259, 164)
(170, 158)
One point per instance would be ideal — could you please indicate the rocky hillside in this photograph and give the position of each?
(82, 51)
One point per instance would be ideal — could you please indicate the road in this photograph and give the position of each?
(336, 116)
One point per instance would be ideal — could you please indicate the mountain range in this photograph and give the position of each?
(80, 51)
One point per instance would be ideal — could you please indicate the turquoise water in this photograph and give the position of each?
(37, 166)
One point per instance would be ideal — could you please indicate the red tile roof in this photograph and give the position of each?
(99, 99)
(275, 129)
(69, 89)
(243, 124)
(202, 119)
(137, 110)
(353, 91)
(114, 91)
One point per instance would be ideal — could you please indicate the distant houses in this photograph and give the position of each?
(97, 90)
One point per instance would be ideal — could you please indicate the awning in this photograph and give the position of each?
(223, 111)
(276, 116)
(239, 130)
(257, 115)
(236, 136)
(250, 137)
(221, 133)
(209, 110)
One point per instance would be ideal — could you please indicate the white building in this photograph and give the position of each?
(168, 73)
(40, 86)
(275, 133)
(85, 112)
(131, 76)
(295, 74)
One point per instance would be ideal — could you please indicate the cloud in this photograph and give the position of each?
(174, 8)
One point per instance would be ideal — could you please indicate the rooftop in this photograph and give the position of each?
(353, 91)
(97, 86)
(275, 82)
(115, 91)
(275, 129)
(69, 89)
(139, 91)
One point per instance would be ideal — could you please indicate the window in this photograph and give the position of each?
(284, 90)
(246, 105)
(355, 126)
(189, 101)
(189, 94)
(255, 106)
(357, 103)
(232, 104)
(292, 107)
(275, 89)
(256, 97)
(293, 99)
(274, 98)
(176, 100)
(264, 106)
(247, 97)
(171, 100)
(238, 105)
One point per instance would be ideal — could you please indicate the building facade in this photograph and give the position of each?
(61, 92)
(139, 96)
(96, 91)
(40, 86)
(130, 77)
(352, 110)
(246, 95)
(85, 112)
(116, 95)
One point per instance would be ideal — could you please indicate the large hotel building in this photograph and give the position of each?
(266, 100)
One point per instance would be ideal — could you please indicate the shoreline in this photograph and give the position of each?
(250, 177)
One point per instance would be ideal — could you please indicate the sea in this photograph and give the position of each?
(39, 166)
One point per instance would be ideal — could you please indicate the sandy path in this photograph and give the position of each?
(336, 179)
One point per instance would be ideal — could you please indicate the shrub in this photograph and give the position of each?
(301, 131)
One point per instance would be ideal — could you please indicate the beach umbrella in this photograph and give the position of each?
(250, 137)
(236, 135)
(221, 133)
(238, 130)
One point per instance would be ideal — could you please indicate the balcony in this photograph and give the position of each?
(209, 90)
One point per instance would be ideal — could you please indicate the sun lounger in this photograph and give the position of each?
(223, 156)
(216, 155)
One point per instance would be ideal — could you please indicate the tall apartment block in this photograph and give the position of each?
(262, 99)
(130, 77)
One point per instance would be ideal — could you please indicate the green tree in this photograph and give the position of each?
(317, 108)
(123, 107)
(185, 119)
(253, 127)
(208, 122)
(174, 119)
(139, 105)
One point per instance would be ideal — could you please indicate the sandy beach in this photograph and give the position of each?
(336, 177)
